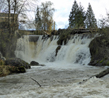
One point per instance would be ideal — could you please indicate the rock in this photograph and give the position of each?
(33, 38)
(41, 65)
(17, 62)
(54, 32)
(17, 69)
(99, 49)
(34, 63)
(57, 49)
(11, 66)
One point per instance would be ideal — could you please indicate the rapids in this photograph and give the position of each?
(61, 76)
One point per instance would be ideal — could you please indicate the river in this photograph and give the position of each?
(62, 76)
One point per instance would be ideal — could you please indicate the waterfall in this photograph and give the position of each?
(64, 73)
(76, 51)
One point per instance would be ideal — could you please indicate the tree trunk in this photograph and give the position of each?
(103, 73)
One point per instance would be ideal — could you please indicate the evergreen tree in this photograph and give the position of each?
(74, 10)
(80, 15)
(90, 18)
(77, 16)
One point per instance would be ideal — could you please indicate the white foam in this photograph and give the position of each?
(59, 78)
(93, 88)
(75, 52)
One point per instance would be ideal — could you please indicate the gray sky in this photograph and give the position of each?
(63, 8)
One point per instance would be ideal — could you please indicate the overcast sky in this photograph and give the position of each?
(63, 8)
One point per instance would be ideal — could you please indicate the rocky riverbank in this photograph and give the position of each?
(13, 65)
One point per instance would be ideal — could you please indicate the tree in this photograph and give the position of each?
(19, 7)
(80, 17)
(90, 18)
(38, 20)
(104, 26)
(77, 16)
(11, 9)
(54, 25)
(72, 16)
(44, 17)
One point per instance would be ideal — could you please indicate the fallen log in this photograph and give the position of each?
(103, 73)
(100, 75)
(36, 82)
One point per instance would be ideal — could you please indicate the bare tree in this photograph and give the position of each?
(19, 7)
(44, 17)
(16, 11)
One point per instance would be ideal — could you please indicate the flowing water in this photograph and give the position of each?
(61, 76)
(75, 52)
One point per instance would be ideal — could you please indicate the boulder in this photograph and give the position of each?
(17, 63)
(16, 69)
(34, 63)
(99, 49)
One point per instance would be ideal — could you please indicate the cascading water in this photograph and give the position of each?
(76, 50)
(59, 82)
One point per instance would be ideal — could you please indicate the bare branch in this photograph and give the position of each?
(36, 82)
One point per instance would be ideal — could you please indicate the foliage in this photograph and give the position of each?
(44, 17)
(79, 19)
(104, 22)
(13, 13)
(90, 18)
(38, 20)
(77, 16)
(104, 27)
